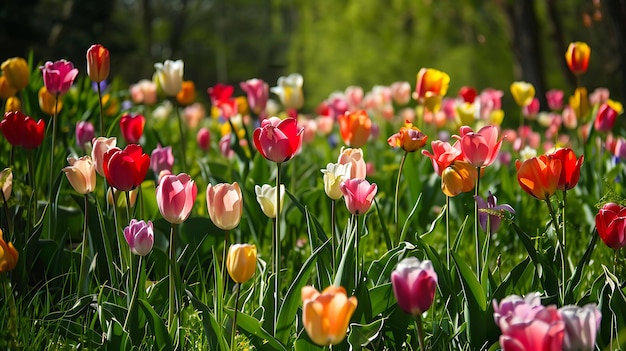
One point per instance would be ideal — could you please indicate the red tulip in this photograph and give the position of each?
(278, 140)
(468, 94)
(611, 225)
(126, 169)
(131, 126)
(58, 76)
(22, 130)
(570, 168)
(443, 154)
(98, 62)
(359, 194)
(481, 148)
(539, 176)
(577, 57)
(175, 197)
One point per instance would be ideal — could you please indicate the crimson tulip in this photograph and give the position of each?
(611, 225)
(131, 126)
(278, 140)
(481, 148)
(175, 197)
(468, 94)
(606, 116)
(359, 194)
(58, 76)
(98, 63)
(22, 130)
(539, 176)
(414, 284)
(570, 168)
(355, 127)
(125, 169)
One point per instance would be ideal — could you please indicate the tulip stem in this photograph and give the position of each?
(332, 232)
(83, 284)
(420, 332)
(234, 328)
(173, 298)
(133, 300)
(8, 295)
(395, 212)
(224, 272)
(355, 217)
(277, 250)
(102, 131)
(563, 253)
(448, 231)
(182, 137)
(52, 215)
(476, 237)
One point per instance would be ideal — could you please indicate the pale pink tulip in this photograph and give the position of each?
(225, 204)
(359, 194)
(139, 236)
(100, 146)
(354, 157)
(82, 174)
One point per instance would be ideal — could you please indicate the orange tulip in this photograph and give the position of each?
(8, 255)
(539, 176)
(98, 63)
(326, 315)
(570, 168)
(577, 57)
(409, 138)
(457, 178)
(355, 128)
(187, 93)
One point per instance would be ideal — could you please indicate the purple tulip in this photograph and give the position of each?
(140, 237)
(414, 284)
(489, 212)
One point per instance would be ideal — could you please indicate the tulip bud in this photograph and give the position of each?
(241, 262)
(13, 104)
(169, 76)
(334, 174)
(611, 225)
(139, 236)
(581, 326)
(355, 127)
(266, 197)
(16, 72)
(326, 315)
(6, 183)
(8, 255)
(523, 93)
(577, 57)
(414, 284)
(187, 93)
(225, 205)
(457, 178)
(289, 90)
(98, 63)
(6, 89)
(161, 159)
(359, 194)
(354, 157)
(204, 139)
(47, 102)
(85, 132)
(175, 197)
(82, 174)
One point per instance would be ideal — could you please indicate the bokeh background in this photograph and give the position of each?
(333, 44)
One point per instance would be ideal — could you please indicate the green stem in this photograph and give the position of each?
(356, 250)
(234, 327)
(277, 250)
(173, 298)
(476, 224)
(83, 284)
(332, 231)
(133, 300)
(52, 215)
(8, 293)
(224, 272)
(563, 252)
(33, 186)
(183, 141)
(102, 131)
(552, 215)
(395, 211)
(448, 231)
(420, 331)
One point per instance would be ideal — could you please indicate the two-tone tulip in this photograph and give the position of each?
(539, 176)
(414, 284)
(266, 197)
(140, 236)
(289, 90)
(98, 63)
(409, 138)
(169, 76)
(326, 315)
(278, 140)
(176, 195)
(577, 57)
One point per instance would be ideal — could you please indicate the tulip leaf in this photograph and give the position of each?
(362, 334)
(161, 335)
(582, 264)
(380, 270)
(253, 328)
(212, 329)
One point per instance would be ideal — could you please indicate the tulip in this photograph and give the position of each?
(278, 140)
(13, 103)
(581, 326)
(401, 92)
(577, 57)
(523, 93)
(607, 113)
(489, 212)
(204, 139)
(8, 255)
(466, 113)
(481, 148)
(131, 126)
(611, 225)
(85, 132)
(144, 92)
(161, 159)
(289, 90)
(22, 130)
(354, 157)
(100, 146)
(6, 183)
(334, 174)
(187, 93)
(515, 305)
(570, 168)
(539, 176)
(47, 102)
(169, 76)
(224, 146)
(414, 284)
(139, 236)
(82, 174)
(355, 128)
(241, 262)
(16, 72)
(266, 197)
(125, 169)
(6, 89)
(220, 92)
(58, 76)
(225, 204)
(443, 155)
(326, 315)
(257, 92)
(579, 102)
(531, 110)
(468, 94)
(431, 86)
(175, 197)
(194, 114)
(98, 62)
(409, 138)
(459, 177)
(555, 99)
(359, 194)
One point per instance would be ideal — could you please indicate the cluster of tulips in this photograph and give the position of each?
(459, 160)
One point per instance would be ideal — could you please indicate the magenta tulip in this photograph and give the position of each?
(85, 132)
(258, 93)
(161, 159)
(358, 194)
(278, 140)
(139, 236)
(175, 197)
(414, 284)
(58, 76)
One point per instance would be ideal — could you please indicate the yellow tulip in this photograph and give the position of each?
(8, 255)
(16, 72)
(457, 178)
(47, 102)
(241, 262)
(13, 104)
(579, 102)
(6, 89)
(523, 93)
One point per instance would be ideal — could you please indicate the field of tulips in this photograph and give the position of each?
(161, 217)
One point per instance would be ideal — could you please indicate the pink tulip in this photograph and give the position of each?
(531, 110)
(555, 99)
(481, 148)
(224, 146)
(258, 93)
(605, 119)
(278, 140)
(354, 157)
(204, 139)
(175, 197)
(414, 284)
(131, 126)
(84, 133)
(161, 159)
(581, 326)
(58, 76)
(358, 194)
(100, 146)
(225, 204)
(139, 236)
(443, 154)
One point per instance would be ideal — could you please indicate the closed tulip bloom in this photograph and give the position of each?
(58, 76)
(6, 183)
(431, 86)
(443, 155)
(85, 132)
(241, 262)
(414, 284)
(13, 103)
(540, 330)
(354, 157)
(16, 72)
(459, 177)
(579, 102)
(8, 255)
(82, 174)
(577, 57)
(98, 63)
(47, 102)
(169, 76)
(359, 194)
(523, 93)
(257, 92)
(187, 94)
(139, 236)
(539, 176)
(326, 315)
(409, 138)
(278, 140)
(6, 89)
(490, 212)
(611, 225)
(570, 168)
(143, 92)
(225, 204)
(555, 99)
(581, 326)
(355, 128)
(131, 126)
(468, 94)
(22, 130)
(606, 116)
(204, 139)
(289, 90)
(176, 195)
(126, 169)
(334, 174)
(161, 158)
(100, 146)
(481, 148)
(266, 197)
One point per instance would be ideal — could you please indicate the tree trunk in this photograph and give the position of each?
(617, 11)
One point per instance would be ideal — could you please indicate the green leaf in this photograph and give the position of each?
(252, 327)
(582, 264)
(213, 330)
(362, 334)
(157, 326)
